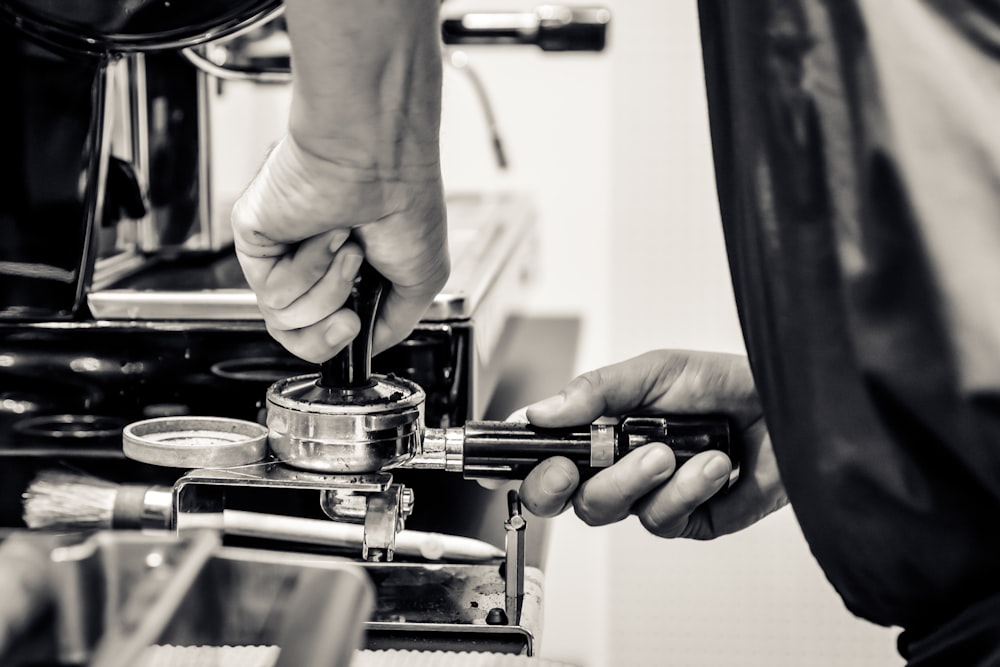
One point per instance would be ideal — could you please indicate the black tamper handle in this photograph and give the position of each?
(352, 367)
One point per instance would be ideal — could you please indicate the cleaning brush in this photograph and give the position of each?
(60, 500)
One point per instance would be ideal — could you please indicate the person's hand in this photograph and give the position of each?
(357, 177)
(668, 501)
(302, 229)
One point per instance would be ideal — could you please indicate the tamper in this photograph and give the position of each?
(345, 419)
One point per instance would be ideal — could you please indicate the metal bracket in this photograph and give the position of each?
(382, 518)
(199, 499)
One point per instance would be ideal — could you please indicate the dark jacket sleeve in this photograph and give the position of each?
(858, 166)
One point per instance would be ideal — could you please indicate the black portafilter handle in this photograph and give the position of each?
(495, 449)
(351, 368)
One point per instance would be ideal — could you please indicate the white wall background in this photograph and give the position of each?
(615, 149)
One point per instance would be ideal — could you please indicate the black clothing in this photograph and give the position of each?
(857, 151)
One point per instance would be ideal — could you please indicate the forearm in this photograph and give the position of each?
(367, 86)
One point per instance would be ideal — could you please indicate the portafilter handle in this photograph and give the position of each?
(351, 368)
(510, 450)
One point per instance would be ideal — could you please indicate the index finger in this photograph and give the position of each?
(663, 381)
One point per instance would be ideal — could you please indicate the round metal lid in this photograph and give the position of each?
(195, 442)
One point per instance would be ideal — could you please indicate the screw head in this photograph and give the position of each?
(496, 616)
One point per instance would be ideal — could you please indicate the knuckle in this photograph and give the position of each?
(621, 486)
(662, 526)
(284, 319)
(609, 496)
(301, 314)
(302, 344)
(587, 510)
(304, 274)
(589, 383)
(584, 513)
(689, 493)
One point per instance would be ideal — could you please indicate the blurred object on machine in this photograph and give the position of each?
(405, 658)
(120, 593)
(116, 594)
(549, 27)
(262, 55)
(26, 589)
(209, 656)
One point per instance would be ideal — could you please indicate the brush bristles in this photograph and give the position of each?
(57, 500)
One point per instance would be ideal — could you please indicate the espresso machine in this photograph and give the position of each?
(124, 320)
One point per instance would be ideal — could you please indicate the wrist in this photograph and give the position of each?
(413, 160)
(347, 192)
(367, 87)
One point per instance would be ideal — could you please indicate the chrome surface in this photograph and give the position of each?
(382, 520)
(603, 443)
(122, 26)
(129, 304)
(344, 431)
(489, 238)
